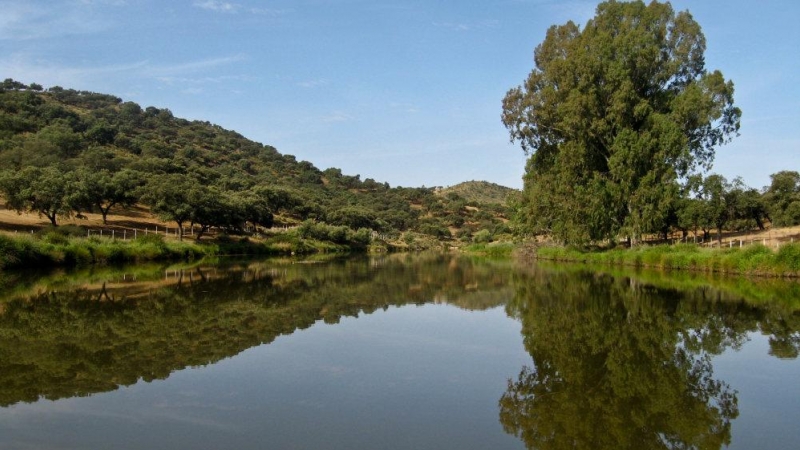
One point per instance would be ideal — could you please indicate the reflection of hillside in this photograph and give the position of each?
(70, 342)
(58, 340)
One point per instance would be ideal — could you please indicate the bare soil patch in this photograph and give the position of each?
(137, 217)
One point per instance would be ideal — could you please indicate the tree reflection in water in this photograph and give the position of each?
(623, 365)
(94, 336)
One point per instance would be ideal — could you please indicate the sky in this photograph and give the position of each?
(407, 92)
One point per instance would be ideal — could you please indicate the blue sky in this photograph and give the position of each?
(408, 92)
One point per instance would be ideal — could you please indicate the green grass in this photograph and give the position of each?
(58, 250)
(494, 250)
(55, 248)
(751, 260)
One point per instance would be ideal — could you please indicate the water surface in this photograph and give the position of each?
(396, 352)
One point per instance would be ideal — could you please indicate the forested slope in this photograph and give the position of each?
(64, 152)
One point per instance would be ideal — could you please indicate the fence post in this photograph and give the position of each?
(113, 234)
(124, 234)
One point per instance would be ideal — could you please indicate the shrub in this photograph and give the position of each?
(482, 237)
(789, 256)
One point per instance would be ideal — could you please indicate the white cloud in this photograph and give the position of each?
(233, 8)
(218, 6)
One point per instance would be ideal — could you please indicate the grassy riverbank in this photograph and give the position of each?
(57, 247)
(491, 250)
(751, 260)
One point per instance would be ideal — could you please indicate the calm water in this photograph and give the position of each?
(397, 352)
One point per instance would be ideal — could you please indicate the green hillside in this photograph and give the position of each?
(481, 192)
(64, 152)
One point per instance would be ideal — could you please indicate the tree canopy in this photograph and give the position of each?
(613, 116)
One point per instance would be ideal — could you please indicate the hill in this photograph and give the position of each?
(65, 153)
(481, 192)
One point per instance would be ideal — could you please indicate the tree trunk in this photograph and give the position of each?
(203, 229)
(104, 213)
(759, 222)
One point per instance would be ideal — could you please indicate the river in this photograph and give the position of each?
(396, 352)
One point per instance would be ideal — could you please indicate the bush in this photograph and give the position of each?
(154, 239)
(482, 237)
(789, 257)
(337, 234)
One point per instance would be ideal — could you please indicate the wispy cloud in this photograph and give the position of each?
(269, 12)
(468, 26)
(26, 21)
(337, 116)
(167, 70)
(233, 8)
(310, 84)
(206, 80)
(105, 2)
(218, 6)
(25, 68)
(404, 107)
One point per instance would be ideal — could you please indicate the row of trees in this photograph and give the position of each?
(181, 198)
(713, 203)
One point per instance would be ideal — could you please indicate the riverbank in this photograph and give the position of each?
(753, 260)
(57, 248)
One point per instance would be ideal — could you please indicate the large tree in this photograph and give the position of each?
(102, 189)
(612, 116)
(47, 191)
(783, 198)
(168, 196)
